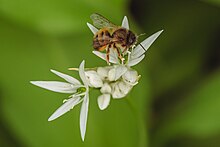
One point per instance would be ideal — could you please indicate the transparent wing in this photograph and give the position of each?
(100, 21)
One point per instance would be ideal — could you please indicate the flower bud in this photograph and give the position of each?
(131, 77)
(106, 88)
(120, 89)
(115, 73)
(94, 79)
(103, 72)
(124, 87)
(103, 101)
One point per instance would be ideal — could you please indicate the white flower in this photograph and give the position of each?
(136, 54)
(115, 73)
(94, 79)
(103, 101)
(120, 89)
(103, 72)
(114, 81)
(118, 81)
(106, 88)
(80, 93)
(131, 77)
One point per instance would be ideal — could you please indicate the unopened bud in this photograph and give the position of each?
(120, 89)
(106, 88)
(116, 72)
(94, 79)
(103, 72)
(131, 77)
(103, 101)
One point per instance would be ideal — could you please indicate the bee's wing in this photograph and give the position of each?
(100, 21)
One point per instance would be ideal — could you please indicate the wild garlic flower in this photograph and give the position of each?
(114, 81)
(80, 93)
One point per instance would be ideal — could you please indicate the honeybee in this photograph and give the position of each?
(111, 36)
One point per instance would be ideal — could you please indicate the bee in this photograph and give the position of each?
(110, 36)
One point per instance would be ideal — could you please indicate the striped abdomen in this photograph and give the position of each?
(101, 39)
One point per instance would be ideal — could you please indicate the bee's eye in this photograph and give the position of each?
(132, 39)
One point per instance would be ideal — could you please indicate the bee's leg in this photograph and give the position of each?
(107, 54)
(125, 50)
(118, 51)
(102, 48)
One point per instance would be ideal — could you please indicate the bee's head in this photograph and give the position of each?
(131, 38)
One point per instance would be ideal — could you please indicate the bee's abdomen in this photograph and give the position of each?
(101, 38)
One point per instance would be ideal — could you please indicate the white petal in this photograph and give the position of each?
(120, 89)
(106, 88)
(138, 51)
(135, 61)
(57, 86)
(100, 55)
(94, 79)
(103, 72)
(67, 106)
(83, 115)
(116, 93)
(115, 73)
(112, 58)
(125, 23)
(92, 28)
(66, 77)
(82, 73)
(124, 87)
(103, 101)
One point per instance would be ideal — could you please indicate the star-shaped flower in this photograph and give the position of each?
(114, 81)
(80, 93)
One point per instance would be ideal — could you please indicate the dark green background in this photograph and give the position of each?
(176, 103)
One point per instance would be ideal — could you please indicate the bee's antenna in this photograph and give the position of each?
(141, 34)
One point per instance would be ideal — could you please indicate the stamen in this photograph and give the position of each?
(75, 69)
(141, 34)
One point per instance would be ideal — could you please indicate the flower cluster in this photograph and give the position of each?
(115, 80)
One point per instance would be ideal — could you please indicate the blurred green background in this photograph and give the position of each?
(176, 103)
